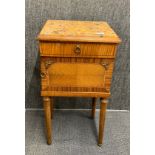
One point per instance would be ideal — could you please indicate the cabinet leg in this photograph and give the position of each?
(93, 107)
(103, 106)
(52, 107)
(47, 111)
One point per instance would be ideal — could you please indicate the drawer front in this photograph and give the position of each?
(78, 49)
(47, 62)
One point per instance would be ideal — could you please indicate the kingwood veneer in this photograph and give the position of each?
(77, 60)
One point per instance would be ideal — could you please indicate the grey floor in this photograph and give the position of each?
(74, 133)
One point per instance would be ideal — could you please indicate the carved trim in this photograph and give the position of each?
(105, 65)
(48, 63)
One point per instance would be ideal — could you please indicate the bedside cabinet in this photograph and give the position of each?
(77, 60)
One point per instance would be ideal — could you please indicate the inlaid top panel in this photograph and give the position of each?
(85, 31)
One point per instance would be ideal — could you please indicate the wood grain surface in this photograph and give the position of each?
(85, 31)
(69, 49)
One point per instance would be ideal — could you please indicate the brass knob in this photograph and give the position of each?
(43, 75)
(77, 49)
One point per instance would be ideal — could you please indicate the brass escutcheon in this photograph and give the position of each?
(77, 49)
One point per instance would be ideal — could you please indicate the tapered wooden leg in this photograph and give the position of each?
(47, 111)
(52, 107)
(93, 107)
(103, 106)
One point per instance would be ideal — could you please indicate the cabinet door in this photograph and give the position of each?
(76, 76)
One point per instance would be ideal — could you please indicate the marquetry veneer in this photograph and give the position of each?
(77, 60)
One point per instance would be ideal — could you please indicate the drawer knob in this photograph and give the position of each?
(77, 49)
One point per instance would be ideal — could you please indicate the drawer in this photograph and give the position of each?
(77, 49)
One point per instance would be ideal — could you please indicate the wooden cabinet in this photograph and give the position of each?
(77, 60)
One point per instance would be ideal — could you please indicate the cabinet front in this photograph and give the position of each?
(76, 74)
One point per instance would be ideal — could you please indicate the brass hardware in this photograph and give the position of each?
(77, 49)
(43, 75)
(105, 65)
(48, 63)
